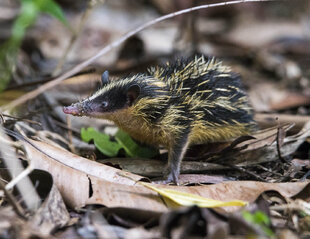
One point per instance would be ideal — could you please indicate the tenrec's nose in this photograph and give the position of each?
(72, 110)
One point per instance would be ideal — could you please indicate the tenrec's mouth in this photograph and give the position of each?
(72, 110)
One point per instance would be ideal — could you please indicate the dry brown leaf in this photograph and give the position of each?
(255, 34)
(264, 147)
(154, 168)
(13, 226)
(268, 97)
(77, 178)
(8, 218)
(290, 101)
(52, 214)
(269, 120)
(287, 234)
(82, 182)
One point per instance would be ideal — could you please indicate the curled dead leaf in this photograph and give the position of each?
(82, 182)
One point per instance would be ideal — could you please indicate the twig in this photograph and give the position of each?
(268, 170)
(4, 140)
(19, 177)
(111, 46)
(17, 208)
(246, 171)
(19, 119)
(42, 134)
(297, 205)
(14, 166)
(2, 118)
(280, 138)
(304, 178)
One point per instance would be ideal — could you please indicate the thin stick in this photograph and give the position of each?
(19, 119)
(14, 166)
(111, 46)
(245, 171)
(17, 208)
(19, 177)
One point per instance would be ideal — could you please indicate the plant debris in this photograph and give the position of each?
(65, 177)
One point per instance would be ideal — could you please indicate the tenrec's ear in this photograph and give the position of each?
(132, 94)
(104, 78)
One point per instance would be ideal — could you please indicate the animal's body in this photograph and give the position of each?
(190, 101)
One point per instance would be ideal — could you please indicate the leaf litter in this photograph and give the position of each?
(268, 170)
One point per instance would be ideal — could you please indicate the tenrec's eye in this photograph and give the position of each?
(104, 104)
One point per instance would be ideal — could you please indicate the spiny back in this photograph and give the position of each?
(197, 89)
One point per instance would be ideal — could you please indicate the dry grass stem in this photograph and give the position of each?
(108, 48)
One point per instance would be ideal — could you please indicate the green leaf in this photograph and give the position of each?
(10, 48)
(123, 140)
(46, 6)
(28, 14)
(259, 218)
(29, 11)
(8, 52)
(52, 8)
(262, 218)
(132, 148)
(101, 141)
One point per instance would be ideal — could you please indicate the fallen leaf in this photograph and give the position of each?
(271, 120)
(264, 147)
(259, 148)
(194, 222)
(188, 199)
(52, 214)
(82, 182)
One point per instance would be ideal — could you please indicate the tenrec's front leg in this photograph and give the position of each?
(176, 154)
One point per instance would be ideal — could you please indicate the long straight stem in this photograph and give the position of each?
(111, 46)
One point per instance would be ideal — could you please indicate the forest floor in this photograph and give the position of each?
(76, 177)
